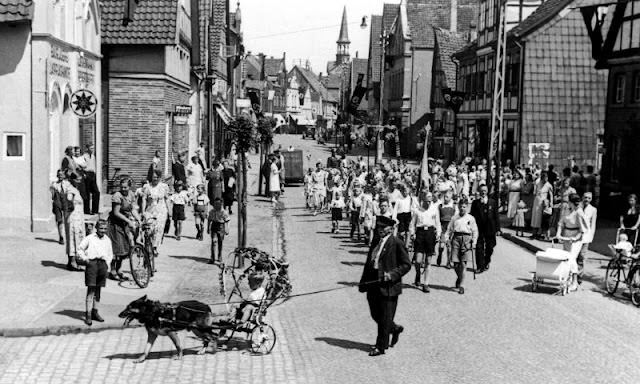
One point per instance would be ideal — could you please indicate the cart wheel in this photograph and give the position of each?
(262, 339)
(612, 276)
(634, 286)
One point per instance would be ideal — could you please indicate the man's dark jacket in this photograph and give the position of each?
(486, 217)
(178, 172)
(394, 259)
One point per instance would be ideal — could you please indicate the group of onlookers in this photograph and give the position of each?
(74, 194)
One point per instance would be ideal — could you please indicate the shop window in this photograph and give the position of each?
(636, 87)
(14, 146)
(618, 94)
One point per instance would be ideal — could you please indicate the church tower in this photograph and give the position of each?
(342, 55)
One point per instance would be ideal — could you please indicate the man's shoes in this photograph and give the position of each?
(61, 241)
(73, 268)
(461, 291)
(425, 288)
(96, 316)
(178, 238)
(395, 335)
(480, 270)
(87, 318)
(211, 262)
(376, 352)
(486, 268)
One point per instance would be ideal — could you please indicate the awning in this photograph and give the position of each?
(223, 113)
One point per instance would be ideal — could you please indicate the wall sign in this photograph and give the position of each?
(83, 103)
(183, 109)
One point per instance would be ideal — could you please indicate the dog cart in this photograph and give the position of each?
(552, 266)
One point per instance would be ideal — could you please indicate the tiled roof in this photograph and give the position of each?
(312, 79)
(204, 14)
(374, 47)
(545, 12)
(467, 14)
(273, 67)
(16, 10)
(447, 43)
(255, 84)
(359, 66)
(252, 67)
(389, 13)
(423, 15)
(217, 31)
(154, 22)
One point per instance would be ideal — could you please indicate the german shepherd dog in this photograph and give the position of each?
(166, 319)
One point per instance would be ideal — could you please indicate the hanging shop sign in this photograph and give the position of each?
(183, 109)
(83, 103)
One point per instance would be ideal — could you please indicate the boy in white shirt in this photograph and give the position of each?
(463, 234)
(179, 199)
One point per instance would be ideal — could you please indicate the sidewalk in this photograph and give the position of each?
(598, 250)
(41, 297)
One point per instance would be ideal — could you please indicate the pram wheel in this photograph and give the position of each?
(262, 339)
(634, 286)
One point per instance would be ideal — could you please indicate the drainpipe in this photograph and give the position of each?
(31, 199)
(455, 114)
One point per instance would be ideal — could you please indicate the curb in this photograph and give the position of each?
(60, 330)
(522, 243)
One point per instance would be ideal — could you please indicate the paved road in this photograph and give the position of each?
(498, 332)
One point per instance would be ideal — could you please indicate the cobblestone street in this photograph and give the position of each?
(499, 332)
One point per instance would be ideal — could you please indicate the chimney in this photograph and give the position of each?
(473, 33)
(356, 54)
(454, 16)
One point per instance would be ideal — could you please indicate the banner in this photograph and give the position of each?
(254, 96)
(424, 165)
(358, 93)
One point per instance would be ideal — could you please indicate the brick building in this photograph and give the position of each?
(553, 95)
(49, 51)
(614, 29)
(146, 83)
(409, 61)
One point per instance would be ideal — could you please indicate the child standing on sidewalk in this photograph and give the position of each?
(96, 252)
(200, 208)
(355, 204)
(218, 226)
(518, 219)
(179, 199)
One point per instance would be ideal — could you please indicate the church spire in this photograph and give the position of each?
(342, 54)
(344, 30)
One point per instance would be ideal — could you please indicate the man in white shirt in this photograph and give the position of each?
(92, 203)
(95, 250)
(425, 231)
(463, 234)
(591, 216)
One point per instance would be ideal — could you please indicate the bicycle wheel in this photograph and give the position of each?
(262, 339)
(612, 277)
(634, 286)
(140, 268)
(151, 258)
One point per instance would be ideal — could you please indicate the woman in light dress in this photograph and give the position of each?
(571, 228)
(274, 179)
(543, 192)
(515, 187)
(154, 205)
(75, 224)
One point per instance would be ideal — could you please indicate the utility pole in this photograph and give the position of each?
(497, 113)
(383, 45)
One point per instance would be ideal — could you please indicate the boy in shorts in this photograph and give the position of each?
(218, 226)
(463, 234)
(200, 208)
(179, 199)
(248, 306)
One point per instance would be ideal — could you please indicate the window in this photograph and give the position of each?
(14, 146)
(636, 87)
(618, 92)
(615, 159)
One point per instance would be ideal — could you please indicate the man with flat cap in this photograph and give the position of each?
(387, 262)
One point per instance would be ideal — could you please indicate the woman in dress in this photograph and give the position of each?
(154, 204)
(274, 179)
(195, 174)
(229, 178)
(425, 232)
(74, 223)
(122, 223)
(527, 196)
(630, 218)
(571, 228)
(543, 192)
(216, 181)
(515, 189)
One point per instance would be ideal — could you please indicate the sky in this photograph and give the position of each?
(305, 29)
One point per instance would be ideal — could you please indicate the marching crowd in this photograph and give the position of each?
(100, 252)
(452, 215)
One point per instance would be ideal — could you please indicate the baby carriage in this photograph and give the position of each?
(553, 266)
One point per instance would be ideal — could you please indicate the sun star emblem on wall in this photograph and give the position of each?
(83, 103)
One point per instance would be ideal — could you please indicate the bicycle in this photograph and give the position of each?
(142, 256)
(617, 272)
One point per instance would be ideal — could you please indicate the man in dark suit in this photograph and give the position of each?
(178, 171)
(485, 211)
(387, 262)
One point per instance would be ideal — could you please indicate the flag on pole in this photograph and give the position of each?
(424, 166)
